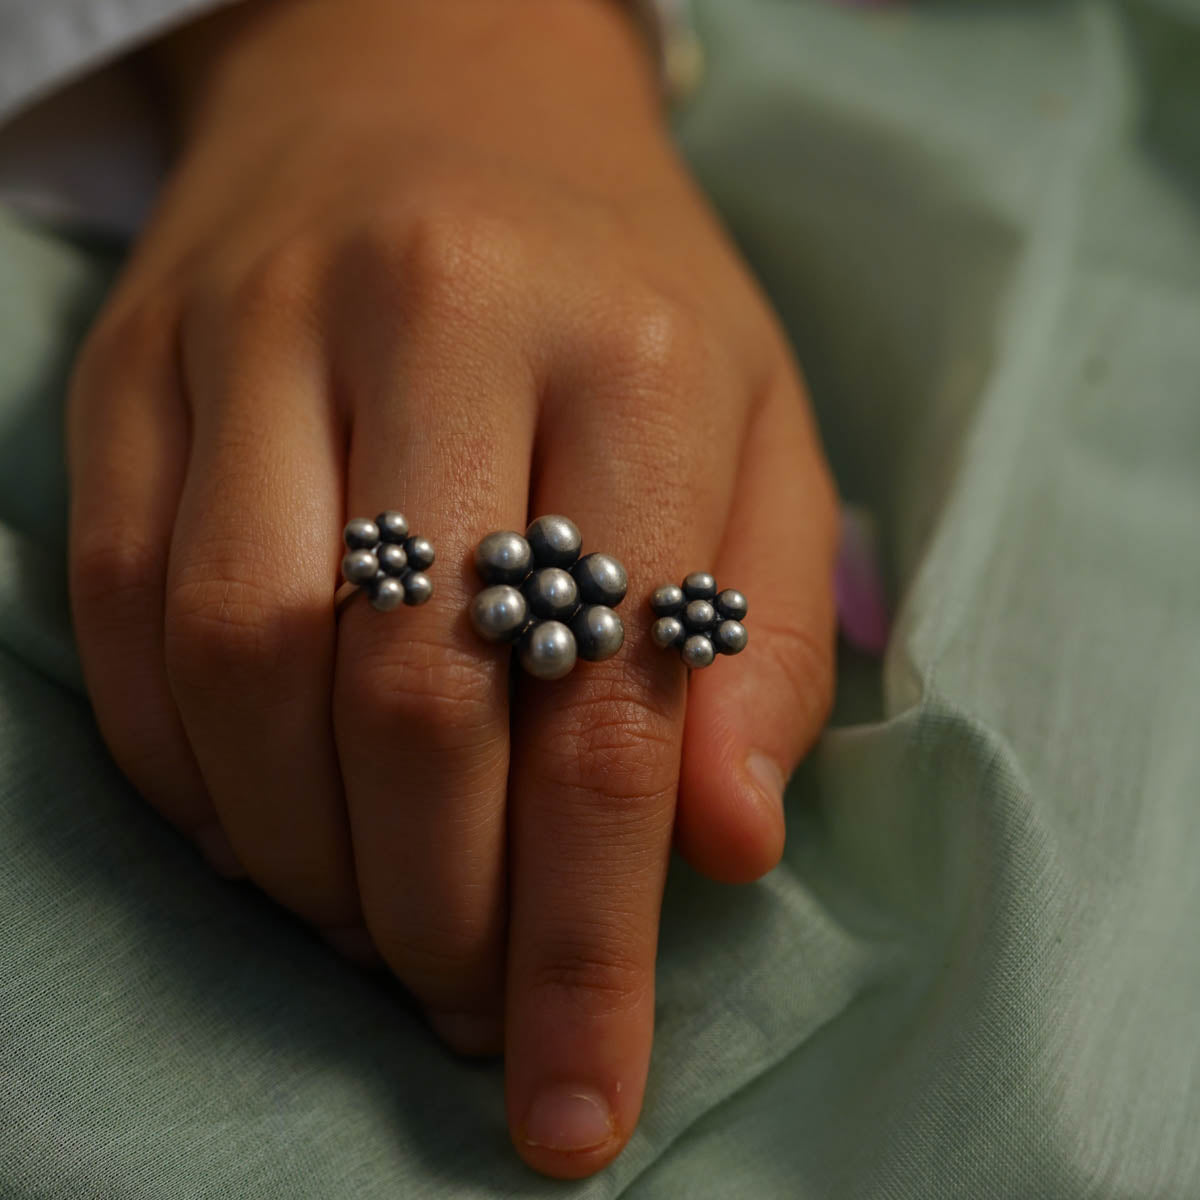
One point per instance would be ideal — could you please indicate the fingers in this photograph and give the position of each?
(249, 617)
(421, 703)
(750, 720)
(128, 436)
(596, 755)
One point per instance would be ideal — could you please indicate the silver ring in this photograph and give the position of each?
(385, 562)
(539, 593)
(698, 620)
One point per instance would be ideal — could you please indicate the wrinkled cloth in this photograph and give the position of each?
(976, 972)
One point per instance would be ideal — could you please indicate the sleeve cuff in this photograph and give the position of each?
(46, 43)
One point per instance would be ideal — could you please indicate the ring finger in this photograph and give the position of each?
(421, 707)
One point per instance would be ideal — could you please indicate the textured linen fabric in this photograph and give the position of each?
(977, 971)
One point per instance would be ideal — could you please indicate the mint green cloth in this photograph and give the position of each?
(977, 972)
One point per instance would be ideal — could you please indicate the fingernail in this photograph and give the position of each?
(469, 1033)
(353, 942)
(769, 776)
(218, 852)
(567, 1117)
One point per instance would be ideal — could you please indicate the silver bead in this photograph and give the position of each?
(667, 631)
(731, 605)
(667, 601)
(361, 534)
(499, 613)
(420, 553)
(551, 593)
(555, 541)
(598, 632)
(393, 527)
(503, 557)
(730, 637)
(601, 579)
(359, 567)
(392, 559)
(699, 615)
(548, 650)
(418, 587)
(697, 651)
(700, 585)
(386, 594)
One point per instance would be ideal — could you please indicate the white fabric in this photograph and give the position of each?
(90, 157)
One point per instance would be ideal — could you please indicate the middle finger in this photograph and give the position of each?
(596, 755)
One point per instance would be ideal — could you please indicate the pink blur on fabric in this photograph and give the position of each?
(863, 616)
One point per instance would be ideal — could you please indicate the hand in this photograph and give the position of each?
(442, 258)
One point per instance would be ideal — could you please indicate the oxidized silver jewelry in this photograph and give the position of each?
(700, 621)
(541, 595)
(387, 564)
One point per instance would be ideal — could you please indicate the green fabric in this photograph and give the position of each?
(977, 972)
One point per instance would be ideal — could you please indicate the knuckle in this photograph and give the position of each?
(449, 952)
(442, 958)
(456, 250)
(652, 343)
(655, 361)
(224, 633)
(448, 261)
(242, 303)
(282, 280)
(439, 695)
(121, 339)
(115, 576)
(598, 975)
(617, 747)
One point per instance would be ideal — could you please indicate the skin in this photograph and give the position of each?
(443, 258)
